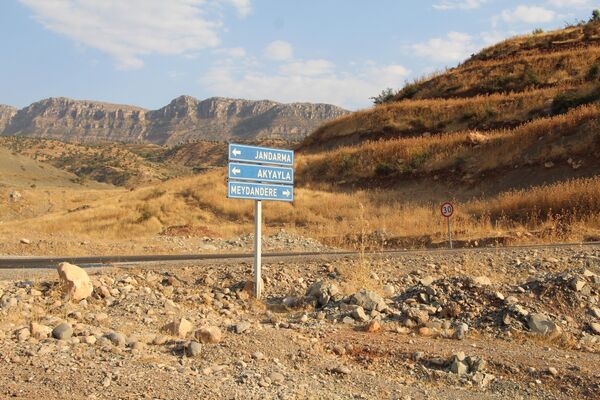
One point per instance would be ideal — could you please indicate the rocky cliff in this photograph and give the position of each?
(6, 113)
(184, 119)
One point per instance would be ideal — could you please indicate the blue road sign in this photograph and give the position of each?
(259, 191)
(261, 173)
(260, 155)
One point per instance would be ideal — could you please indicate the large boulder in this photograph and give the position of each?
(542, 325)
(322, 292)
(76, 281)
(368, 300)
(209, 335)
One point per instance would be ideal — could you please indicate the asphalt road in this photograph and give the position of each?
(8, 262)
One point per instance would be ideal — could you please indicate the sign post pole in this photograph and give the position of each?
(449, 233)
(447, 210)
(257, 249)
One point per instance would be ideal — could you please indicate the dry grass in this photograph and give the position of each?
(570, 135)
(414, 117)
(202, 201)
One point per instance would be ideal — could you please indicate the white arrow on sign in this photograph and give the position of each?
(236, 152)
(286, 193)
(235, 170)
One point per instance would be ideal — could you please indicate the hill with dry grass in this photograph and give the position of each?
(117, 164)
(514, 82)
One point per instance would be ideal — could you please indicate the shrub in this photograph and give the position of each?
(384, 169)
(385, 96)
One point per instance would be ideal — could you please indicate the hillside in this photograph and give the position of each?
(117, 164)
(184, 119)
(514, 82)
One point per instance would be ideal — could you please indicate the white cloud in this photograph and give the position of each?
(232, 52)
(571, 3)
(528, 15)
(129, 30)
(279, 50)
(308, 68)
(319, 81)
(463, 5)
(455, 46)
(243, 7)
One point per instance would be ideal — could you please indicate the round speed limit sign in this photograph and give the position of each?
(447, 209)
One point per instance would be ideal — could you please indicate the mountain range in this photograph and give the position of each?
(183, 119)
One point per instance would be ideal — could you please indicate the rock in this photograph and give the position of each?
(242, 327)
(483, 379)
(542, 324)
(577, 284)
(276, 378)
(116, 338)
(63, 331)
(460, 331)
(76, 281)
(389, 290)
(482, 281)
(417, 315)
(595, 327)
(15, 196)
(159, 340)
(180, 327)
(193, 349)
(90, 339)
(359, 314)
(39, 331)
(373, 326)
(368, 300)
(427, 281)
(425, 331)
(209, 335)
(257, 355)
(553, 371)
(23, 334)
(136, 345)
(340, 370)
(596, 312)
(322, 292)
(25, 241)
(458, 366)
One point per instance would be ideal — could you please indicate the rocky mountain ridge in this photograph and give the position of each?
(6, 113)
(183, 119)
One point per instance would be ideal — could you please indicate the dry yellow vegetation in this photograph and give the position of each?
(330, 216)
(573, 135)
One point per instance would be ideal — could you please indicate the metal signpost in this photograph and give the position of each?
(447, 210)
(260, 173)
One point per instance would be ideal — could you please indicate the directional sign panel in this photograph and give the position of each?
(261, 155)
(261, 173)
(260, 191)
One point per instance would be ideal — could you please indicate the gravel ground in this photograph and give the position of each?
(484, 324)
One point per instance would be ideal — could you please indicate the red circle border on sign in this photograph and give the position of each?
(442, 209)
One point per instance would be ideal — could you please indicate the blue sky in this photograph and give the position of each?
(147, 52)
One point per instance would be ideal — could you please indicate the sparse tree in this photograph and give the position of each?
(385, 96)
(595, 16)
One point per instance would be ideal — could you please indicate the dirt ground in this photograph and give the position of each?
(307, 339)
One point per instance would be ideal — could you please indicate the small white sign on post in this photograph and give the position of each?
(447, 210)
